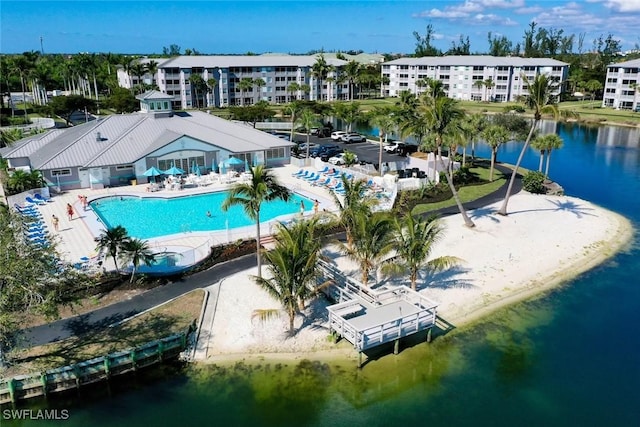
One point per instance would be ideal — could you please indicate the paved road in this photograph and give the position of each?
(105, 316)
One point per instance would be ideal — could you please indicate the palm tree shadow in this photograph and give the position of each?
(568, 205)
(445, 280)
(484, 212)
(315, 315)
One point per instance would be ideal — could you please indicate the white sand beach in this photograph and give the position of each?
(543, 242)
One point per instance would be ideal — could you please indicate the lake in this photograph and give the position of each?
(571, 357)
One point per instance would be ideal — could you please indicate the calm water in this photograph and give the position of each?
(150, 217)
(570, 358)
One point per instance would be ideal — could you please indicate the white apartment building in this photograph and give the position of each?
(276, 71)
(461, 75)
(622, 85)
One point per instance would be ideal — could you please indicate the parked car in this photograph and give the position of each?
(406, 149)
(392, 147)
(336, 135)
(352, 137)
(320, 150)
(338, 159)
(321, 132)
(330, 153)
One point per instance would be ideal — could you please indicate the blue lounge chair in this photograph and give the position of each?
(300, 172)
(305, 175)
(35, 202)
(40, 197)
(25, 209)
(323, 183)
(324, 170)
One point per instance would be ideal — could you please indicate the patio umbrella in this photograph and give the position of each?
(246, 165)
(153, 172)
(214, 166)
(233, 161)
(255, 161)
(193, 167)
(223, 169)
(198, 173)
(174, 171)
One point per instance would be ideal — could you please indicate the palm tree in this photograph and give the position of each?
(211, 88)
(113, 240)
(354, 203)
(263, 187)
(152, 68)
(542, 100)
(488, 85)
(292, 89)
(136, 251)
(478, 84)
(199, 85)
(495, 136)
(22, 67)
(546, 144)
(138, 69)
(413, 241)
(348, 113)
(292, 110)
(307, 119)
(443, 115)
(259, 83)
(244, 85)
(384, 120)
(351, 72)
(292, 265)
(320, 69)
(371, 242)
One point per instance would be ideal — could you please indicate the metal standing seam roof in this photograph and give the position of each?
(226, 61)
(26, 146)
(477, 60)
(626, 64)
(125, 139)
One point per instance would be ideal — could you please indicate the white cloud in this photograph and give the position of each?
(493, 19)
(503, 4)
(528, 10)
(620, 5)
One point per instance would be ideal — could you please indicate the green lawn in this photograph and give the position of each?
(467, 193)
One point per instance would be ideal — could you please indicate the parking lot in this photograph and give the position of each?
(366, 151)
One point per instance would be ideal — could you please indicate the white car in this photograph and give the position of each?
(336, 135)
(338, 159)
(392, 147)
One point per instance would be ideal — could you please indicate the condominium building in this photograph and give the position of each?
(621, 86)
(222, 74)
(474, 77)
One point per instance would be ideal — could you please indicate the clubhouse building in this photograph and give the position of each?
(114, 150)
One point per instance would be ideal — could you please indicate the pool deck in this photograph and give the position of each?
(76, 237)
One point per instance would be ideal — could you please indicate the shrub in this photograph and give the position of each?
(533, 182)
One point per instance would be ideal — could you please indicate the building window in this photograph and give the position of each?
(61, 172)
(276, 153)
(124, 167)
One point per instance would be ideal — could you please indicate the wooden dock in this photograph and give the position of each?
(368, 318)
(75, 376)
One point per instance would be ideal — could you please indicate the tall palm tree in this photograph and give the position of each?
(354, 203)
(139, 70)
(292, 110)
(495, 136)
(136, 251)
(293, 88)
(244, 85)
(443, 115)
(542, 100)
(351, 72)
(152, 69)
(259, 83)
(488, 85)
(263, 187)
(385, 121)
(113, 240)
(22, 67)
(371, 242)
(320, 70)
(479, 84)
(413, 242)
(293, 268)
(540, 145)
(211, 88)
(307, 119)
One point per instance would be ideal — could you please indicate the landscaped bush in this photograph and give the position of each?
(533, 182)
(516, 108)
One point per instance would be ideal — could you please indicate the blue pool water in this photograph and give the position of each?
(149, 217)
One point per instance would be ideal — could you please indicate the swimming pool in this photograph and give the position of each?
(147, 217)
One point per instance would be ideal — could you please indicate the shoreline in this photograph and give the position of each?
(609, 234)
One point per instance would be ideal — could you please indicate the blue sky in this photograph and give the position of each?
(297, 26)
